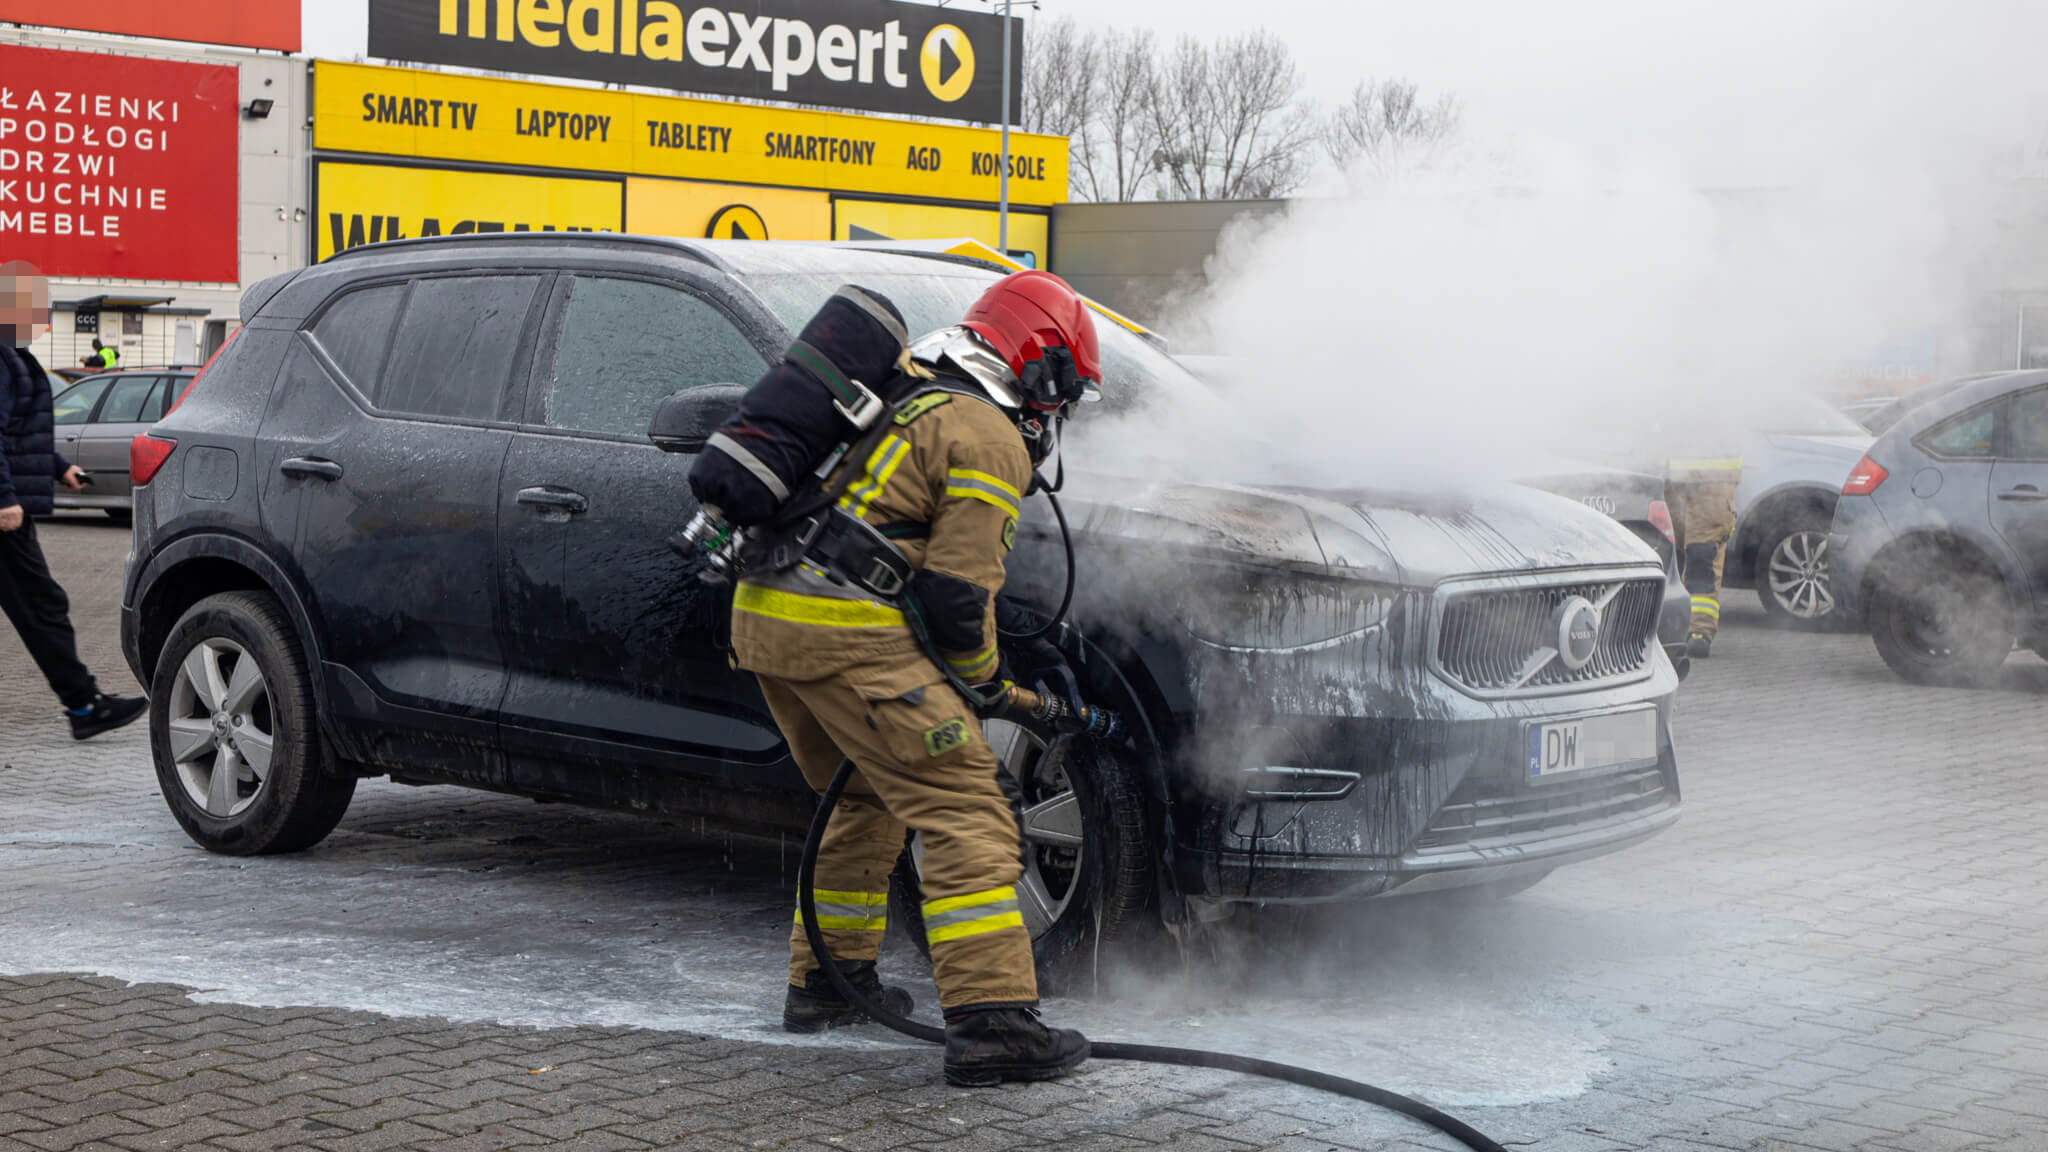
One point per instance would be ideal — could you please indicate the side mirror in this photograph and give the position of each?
(685, 420)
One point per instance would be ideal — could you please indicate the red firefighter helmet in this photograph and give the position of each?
(1041, 326)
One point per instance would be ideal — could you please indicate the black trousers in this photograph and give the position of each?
(41, 613)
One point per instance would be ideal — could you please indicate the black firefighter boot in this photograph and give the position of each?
(987, 1044)
(817, 1005)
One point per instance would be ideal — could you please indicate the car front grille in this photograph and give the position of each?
(1492, 639)
(1495, 813)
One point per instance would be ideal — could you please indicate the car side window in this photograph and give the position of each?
(74, 404)
(625, 344)
(457, 339)
(356, 331)
(125, 399)
(1970, 436)
(2026, 426)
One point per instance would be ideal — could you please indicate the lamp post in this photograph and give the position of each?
(1003, 194)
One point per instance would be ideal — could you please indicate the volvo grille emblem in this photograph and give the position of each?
(1578, 632)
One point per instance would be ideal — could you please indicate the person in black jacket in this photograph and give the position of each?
(30, 469)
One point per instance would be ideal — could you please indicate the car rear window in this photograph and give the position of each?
(457, 339)
(1970, 436)
(356, 332)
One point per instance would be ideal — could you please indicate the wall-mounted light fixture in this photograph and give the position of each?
(259, 108)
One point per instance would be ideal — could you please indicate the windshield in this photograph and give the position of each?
(934, 294)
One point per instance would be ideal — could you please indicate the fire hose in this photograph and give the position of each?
(807, 874)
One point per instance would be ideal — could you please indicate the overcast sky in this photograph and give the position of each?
(1611, 78)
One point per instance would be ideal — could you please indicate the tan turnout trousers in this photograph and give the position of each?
(1703, 513)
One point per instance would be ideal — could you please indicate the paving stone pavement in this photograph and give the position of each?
(1842, 946)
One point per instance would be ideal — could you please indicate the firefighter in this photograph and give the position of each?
(845, 676)
(1701, 495)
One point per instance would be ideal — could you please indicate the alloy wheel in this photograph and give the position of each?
(1798, 573)
(222, 728)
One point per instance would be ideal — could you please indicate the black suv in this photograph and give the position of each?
(409, 523)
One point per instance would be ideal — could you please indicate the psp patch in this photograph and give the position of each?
(1009, 533)
(944, 738)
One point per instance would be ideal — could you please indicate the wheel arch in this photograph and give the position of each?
(1124, 674)
(191, 568)
(1764, 514)
(1944, 547)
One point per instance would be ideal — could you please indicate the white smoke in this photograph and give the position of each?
(1842, 174)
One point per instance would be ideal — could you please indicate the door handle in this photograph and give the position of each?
(311, 466)
(2024, 492)
(559, 498)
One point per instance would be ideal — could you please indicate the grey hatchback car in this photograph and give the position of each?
(97, 418)
(1941, 534)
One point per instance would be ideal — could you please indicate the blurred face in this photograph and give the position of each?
(24, 303)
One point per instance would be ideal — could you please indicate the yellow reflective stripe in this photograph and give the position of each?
(865, 899)
(878, 922)
(996, 482)
(882, 464)
(974, 927)
(823, 610)
(972, 900)
(975, 490)
(971, 915)
(974, 666)
(1707, 606)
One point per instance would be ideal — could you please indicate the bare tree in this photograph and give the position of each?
(1114, 154)
(1060, 88)
(1230, 119)
(1385, 121)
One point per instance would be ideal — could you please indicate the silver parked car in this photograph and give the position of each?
(98, 416)
(1792, 471)
(1942, 530)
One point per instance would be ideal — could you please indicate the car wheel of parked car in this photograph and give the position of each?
(231, 724)
(1792, 576)
(1942, 625)
(1087, 871)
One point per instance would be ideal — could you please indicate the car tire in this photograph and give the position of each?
(231, 726)
(1091, 894)
(1792, 577)
(1943, 626)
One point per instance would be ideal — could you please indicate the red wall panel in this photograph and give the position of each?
(244, 23)
(118, 167)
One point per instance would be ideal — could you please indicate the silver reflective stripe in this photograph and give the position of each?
(873, 307)
(867, 913)
(750, 462)
(997, 496)
(934, 921)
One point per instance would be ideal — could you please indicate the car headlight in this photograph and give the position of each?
(1253, 611)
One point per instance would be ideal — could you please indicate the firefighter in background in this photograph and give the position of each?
(844, 676)
(101, 356)
(1701, 495)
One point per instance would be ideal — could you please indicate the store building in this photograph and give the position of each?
(403, 152)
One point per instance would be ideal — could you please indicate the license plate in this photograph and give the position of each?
(1612, 740)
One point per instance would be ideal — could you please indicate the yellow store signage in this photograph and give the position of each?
(365, 203)
(430, 115)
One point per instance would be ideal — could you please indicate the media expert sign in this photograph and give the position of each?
(364, 203)
(879, 55)
(118, 166)
(435, 115)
